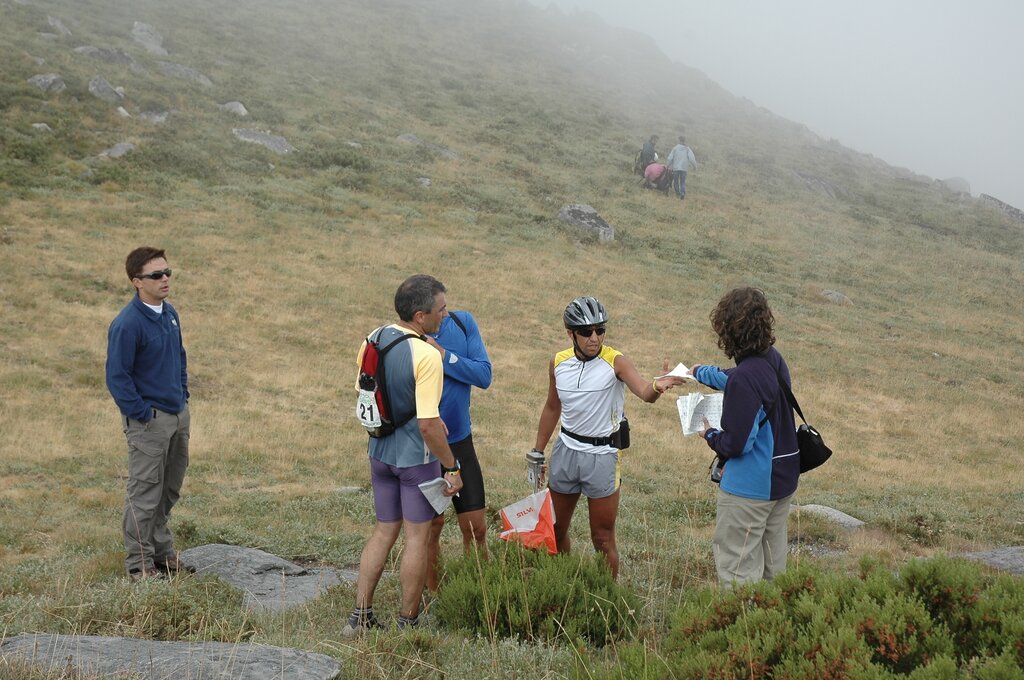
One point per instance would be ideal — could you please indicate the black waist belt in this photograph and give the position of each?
(593, 441)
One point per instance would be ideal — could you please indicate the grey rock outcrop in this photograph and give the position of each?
(443, 152)
(48, 82)
(99, 87)
(110, 55)
(58, 25)
(275, 143)
(586, 218)
(836, 298)
(831, 514)
(1009, 559)
(957, 184)
(155, 117)
(268, 581)
(118, 150)
(237, 108)
(169, 68)
(117, 657)
(149, 37)
(1015, 213)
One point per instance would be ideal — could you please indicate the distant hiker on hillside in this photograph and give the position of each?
(587, 393)
(680, 161)
(657, 176)
(147, 376)
(416, 451)
(647, 154)
(466, 365)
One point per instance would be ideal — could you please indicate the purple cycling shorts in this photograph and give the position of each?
(396, 492)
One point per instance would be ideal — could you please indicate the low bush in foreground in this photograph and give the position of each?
(531, 595)
(938, 618)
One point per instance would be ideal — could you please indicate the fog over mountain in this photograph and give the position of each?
(930, 86)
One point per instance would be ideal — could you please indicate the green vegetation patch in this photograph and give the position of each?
(531, 595)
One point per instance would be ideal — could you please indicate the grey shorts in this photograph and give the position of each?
(593, 475)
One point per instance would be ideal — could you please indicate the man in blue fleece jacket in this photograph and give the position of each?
(466, 365)
(148, 379)
(757, 441)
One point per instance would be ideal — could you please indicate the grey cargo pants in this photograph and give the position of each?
(157, 460)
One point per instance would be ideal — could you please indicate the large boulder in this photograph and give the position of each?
(237, 108)
(149, 37)
(108, 657)
(110, 55)
(957, 185)
(169, 68)
(584, 217)
(58, 26)
(443, 152)
(275, 143)
(48, 82)
(99, 87)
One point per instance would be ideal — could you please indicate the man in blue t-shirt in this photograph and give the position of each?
(466, 365)
(147, 377)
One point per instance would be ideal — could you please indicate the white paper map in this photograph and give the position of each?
(680, 371)
(695, 407)
(434, 491)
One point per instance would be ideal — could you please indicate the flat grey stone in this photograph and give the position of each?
(837, 516)
(155, 116)
(118, 150)
(423, 181)
(1009, 559)
(269, 582)
(237, 108)
(169, 68)
(275, 143)
(123, 112)
(115, 657)
(109, 55)
(586, 218)
(409, 138)
(58, 25)
(48, 82)
(148, 37)
(42, 127)
(100, 88)
(836, 297)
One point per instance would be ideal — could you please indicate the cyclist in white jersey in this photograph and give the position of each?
(587, 390)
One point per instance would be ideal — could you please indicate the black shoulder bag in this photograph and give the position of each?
(813, 449)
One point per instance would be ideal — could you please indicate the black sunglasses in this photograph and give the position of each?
(587, 332)
(155, 276)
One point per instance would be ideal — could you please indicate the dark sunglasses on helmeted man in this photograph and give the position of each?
(155, 276)
(587, 332)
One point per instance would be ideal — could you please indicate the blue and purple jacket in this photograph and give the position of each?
(758, 435)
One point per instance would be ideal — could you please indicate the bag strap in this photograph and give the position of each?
(458, 322)
(381, 378)
(788, 392)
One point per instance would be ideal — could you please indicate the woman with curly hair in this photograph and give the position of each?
(756, 444)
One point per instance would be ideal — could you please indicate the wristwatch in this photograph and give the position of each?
(454, 470)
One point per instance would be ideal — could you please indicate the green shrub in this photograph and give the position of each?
(532, 595)
(939, 618)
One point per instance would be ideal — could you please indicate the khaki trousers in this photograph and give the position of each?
(157, 460)
(750, 538)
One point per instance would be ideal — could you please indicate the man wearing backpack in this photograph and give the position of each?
(466, 365)
(416, 451)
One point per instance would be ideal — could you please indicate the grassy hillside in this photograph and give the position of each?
(283, 263)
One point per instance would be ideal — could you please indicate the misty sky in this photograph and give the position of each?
(935, 86)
